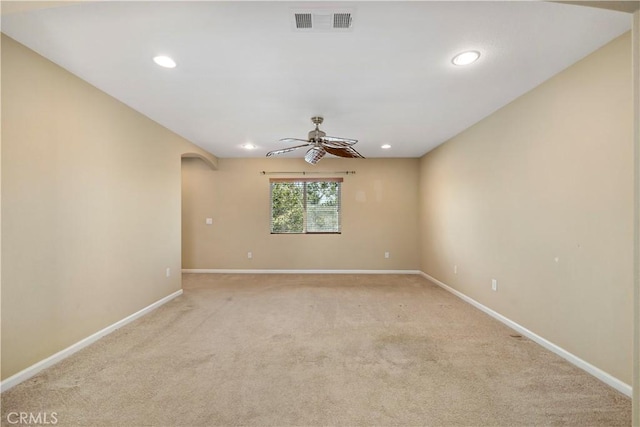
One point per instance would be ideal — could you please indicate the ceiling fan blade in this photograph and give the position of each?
(293, 140)
(314, 155)
(343, 152)
(286, 150)
(339, 142)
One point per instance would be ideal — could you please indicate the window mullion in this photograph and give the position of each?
(304, 207)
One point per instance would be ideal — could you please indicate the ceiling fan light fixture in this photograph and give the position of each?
(466, 58)
(164, 61)
(314, 155)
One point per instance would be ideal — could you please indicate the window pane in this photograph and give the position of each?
(287, 207)
(323, 207)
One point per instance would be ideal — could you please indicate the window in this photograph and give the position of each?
(305, 205)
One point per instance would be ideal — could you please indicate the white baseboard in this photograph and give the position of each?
(32, 370)
(239, 271)
(608, 379)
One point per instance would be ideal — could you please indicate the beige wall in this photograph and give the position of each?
(90, 209)
(539, 196)
(379, 213)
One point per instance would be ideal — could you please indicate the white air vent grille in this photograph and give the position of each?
(341, 20)
(303, 20)
(322, 19)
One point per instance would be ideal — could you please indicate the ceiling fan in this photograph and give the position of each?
(321, 144)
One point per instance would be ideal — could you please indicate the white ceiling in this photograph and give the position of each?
(245, 75)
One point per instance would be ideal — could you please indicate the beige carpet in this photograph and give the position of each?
(313, 350)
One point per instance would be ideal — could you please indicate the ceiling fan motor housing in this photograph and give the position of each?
(316, 134)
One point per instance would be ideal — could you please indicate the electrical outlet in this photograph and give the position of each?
(494, 285)
(455, 269)
(249, 255)
(209, 221)
(386, 254)
(168, 272)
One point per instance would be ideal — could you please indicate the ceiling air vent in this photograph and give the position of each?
(303, 20)
(331, 20)
(341, 20)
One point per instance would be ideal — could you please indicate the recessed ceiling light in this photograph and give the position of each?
(164, 61)
(466, 58)
(248, 146)
(385, 146)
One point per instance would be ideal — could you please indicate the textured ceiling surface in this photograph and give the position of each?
(246, 75)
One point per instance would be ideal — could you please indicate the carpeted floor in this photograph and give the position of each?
(281, 350)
